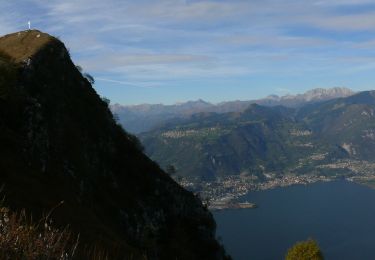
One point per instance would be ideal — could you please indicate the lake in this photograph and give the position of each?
(340, 215)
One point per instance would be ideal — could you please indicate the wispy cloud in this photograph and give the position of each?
(179, 72)
(150, 43)
(128, 60)
(344, 22)
(343, 2)
(277, 41)
(128, 84)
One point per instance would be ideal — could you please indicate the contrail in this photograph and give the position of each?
(121, 82)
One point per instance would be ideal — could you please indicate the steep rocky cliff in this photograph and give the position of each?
(61, 146)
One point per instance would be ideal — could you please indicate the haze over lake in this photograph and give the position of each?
(340, 215)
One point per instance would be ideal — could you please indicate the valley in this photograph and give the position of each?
(213, 130)
(278, 140)
(223, 156)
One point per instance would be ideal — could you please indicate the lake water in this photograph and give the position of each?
(339, 215)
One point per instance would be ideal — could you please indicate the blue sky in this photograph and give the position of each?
(169, 51)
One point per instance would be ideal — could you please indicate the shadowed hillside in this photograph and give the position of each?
(61, 145)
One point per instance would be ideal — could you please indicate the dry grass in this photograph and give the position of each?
(21, 239)
(4, 56)
(23, 45)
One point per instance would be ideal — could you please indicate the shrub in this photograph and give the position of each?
(89, 78)
(79, 68)
(106, 100)
(86, 75)
(20, 239)
(305, 250)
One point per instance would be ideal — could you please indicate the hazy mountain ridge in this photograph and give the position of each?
(61, 146)
(268, 139)
(141, 118)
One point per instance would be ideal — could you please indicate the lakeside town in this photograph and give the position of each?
(226, 192)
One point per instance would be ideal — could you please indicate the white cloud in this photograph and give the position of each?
(345, 22)
(101, 62)
(176, 39)
(343, 2)
(167, 73)
(277, 40)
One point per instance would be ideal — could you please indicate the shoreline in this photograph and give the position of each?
(232, 205)
(231, 201)
(226, 193)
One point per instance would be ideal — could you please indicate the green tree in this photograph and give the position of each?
(79, 68)
(89, 78)
(305, 250)
(86, 75)
(106, 100)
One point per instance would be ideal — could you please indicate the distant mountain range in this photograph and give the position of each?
(142, 118)
(323, 137)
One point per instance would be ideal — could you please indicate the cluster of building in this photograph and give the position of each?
(224, 192)
(176, 134)
(358, 168)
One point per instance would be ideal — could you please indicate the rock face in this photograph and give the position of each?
(61, 143)
(314, 95)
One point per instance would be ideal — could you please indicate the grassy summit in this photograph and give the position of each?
(22, 45)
